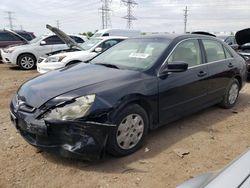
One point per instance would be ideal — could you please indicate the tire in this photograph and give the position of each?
(26, 61)
(120, 142)
(231, 95)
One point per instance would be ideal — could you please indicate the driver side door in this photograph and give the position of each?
(182, 93)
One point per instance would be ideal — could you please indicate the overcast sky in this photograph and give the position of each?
(153, 15)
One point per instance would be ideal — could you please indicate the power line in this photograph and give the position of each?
(105, 12)
(185, 19)
(10, 18)
(130, 4)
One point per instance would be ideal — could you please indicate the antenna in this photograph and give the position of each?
(130, 4)
(105, 11)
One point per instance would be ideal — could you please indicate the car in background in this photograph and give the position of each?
(112, 102)
(242, 38)
(88, 50)
(117, 32)
(234, 175)
(26, 56)
(9, 37)
(230, 40)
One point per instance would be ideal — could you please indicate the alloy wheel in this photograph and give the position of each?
(27, 62)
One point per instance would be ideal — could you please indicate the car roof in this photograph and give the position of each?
(18, 31)
(112, 37)
(176, 36)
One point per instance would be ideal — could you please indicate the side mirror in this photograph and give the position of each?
(98, 49)
(43, 42)
(176, 66)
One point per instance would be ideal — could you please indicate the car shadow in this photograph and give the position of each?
(159, 140)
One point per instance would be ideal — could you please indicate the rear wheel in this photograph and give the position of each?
(127, 137)
(231, 95)
(26, 61)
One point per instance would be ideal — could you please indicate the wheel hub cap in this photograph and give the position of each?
(130, 131)
(233, 93)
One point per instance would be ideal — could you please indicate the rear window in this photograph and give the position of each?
(4, 36)
(214, 50)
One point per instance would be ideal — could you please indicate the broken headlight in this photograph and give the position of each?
(77, 109)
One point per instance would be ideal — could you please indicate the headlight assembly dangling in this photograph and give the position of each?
(71, 111)
(55, 59)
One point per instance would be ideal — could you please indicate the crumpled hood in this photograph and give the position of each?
(243, 36)
(39, 90)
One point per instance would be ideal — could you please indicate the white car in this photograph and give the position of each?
(89, 50)
(117, 32)
(26, 56)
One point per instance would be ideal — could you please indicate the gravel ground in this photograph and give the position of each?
(213, 137)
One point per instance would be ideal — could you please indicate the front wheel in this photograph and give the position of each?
(132, 124)
(26, 62)
(231, 95)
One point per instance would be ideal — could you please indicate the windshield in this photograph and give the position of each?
(36, 39)
(97, 35)
(134, 54)
(90, 43)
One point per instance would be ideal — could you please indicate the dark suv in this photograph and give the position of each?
(7, 38)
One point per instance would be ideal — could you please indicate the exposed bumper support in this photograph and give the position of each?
(77, 139)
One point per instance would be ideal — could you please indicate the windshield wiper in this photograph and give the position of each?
(108, 65)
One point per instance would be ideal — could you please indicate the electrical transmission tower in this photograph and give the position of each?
(105, 11)
(130, 4)
(57, 24)
(185, 19)
(10, 18)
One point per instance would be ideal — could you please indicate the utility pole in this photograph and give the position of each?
(10, 18)
(105, 11)
(57, 24)
(130, 4)
(185, 19)
(21, 27)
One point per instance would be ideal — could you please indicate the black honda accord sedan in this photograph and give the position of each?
(110, 103)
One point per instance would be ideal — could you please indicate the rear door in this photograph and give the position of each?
(184, 92)
(221, 66)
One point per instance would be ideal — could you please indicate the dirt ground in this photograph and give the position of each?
(213, 138)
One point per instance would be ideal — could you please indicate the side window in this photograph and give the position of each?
(77, 39)
(105, 35)
(188, 51)
(214, 50)
(109, 43)
(228, 54)
(53, 40)
(4, 36)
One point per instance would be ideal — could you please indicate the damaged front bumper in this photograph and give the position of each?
(75, 139)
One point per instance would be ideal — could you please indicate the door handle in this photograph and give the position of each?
(202, 73)
(230, 65)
